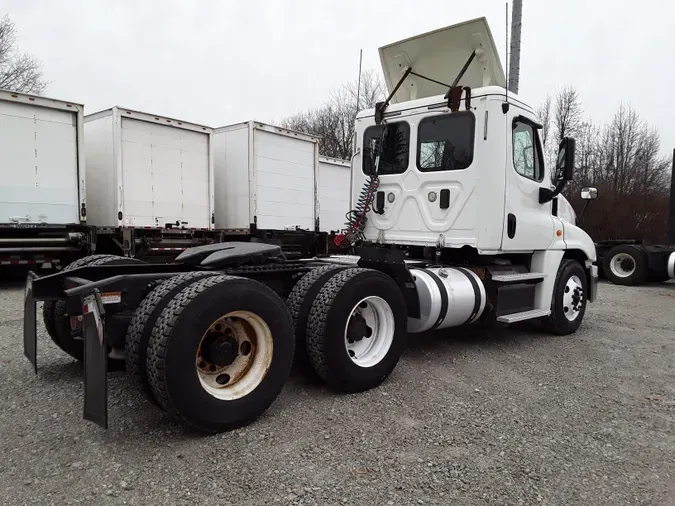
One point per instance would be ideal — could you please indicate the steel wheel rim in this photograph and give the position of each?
(251, 357)
(573, 298)
(371, 348)
(622, 265)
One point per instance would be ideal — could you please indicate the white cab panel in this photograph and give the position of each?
(414, 212)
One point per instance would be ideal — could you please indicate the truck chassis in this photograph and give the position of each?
(212, 337)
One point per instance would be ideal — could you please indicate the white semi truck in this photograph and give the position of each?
(454, 221)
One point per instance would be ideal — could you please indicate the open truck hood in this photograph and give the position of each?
(440, 55)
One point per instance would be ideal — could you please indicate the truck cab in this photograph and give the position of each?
(468, 177)
(454, 167)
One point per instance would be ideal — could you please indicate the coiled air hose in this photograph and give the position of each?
(357, 217)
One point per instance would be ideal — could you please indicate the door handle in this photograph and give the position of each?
(511, 225)
(445, 199)
(379, 203)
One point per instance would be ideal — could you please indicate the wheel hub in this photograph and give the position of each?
(220, 350)
(627, 264)
(576, 298)
(622, 265)
(358, 328)
(234, 355)
(573, 298)
(369, 331)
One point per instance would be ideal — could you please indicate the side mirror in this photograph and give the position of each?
(564, 170)
(589, 193)
(564, 166)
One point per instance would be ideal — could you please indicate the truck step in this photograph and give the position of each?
(525, 315)
(516, 278)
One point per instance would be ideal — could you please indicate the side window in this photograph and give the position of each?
(526, 156)
(445, 142)
(395, 153)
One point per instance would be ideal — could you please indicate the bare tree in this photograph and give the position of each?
(568, 113)
(18, 71)
(333, 122)
(543, 113)
(623, 159)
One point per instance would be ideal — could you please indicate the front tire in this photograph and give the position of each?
(220, 352)
(570, 297)
(357, 329)
(626, 264)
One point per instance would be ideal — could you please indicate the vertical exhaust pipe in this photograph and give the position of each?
(514, 63)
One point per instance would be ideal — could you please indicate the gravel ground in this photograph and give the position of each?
(511, 417)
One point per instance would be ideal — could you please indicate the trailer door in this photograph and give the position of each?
(38, 165)
(284, 180)
(166, 175)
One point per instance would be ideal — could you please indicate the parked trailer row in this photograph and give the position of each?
(121, 181)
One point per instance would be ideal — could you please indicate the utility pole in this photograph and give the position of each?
(671, 206)
(514, 63)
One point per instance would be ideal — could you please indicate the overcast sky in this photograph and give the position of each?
(223, 61)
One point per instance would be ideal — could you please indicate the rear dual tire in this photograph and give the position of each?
(299, 304)
(142, 323)
(356, 329)
(220, 352)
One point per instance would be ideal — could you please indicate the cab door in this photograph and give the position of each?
(528, 225)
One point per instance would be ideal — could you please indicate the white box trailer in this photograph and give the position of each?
(42, 195)
(150, 177)
(266, 178)
(334, 192)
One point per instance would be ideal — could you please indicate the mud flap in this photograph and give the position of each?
(29, 322)
(95, 359)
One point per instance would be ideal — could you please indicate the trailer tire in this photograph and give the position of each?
(143, 321)
(570, 297)
(299, 304)
(200, 369)
(626, 264)
(54, 312)
(339, 346)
